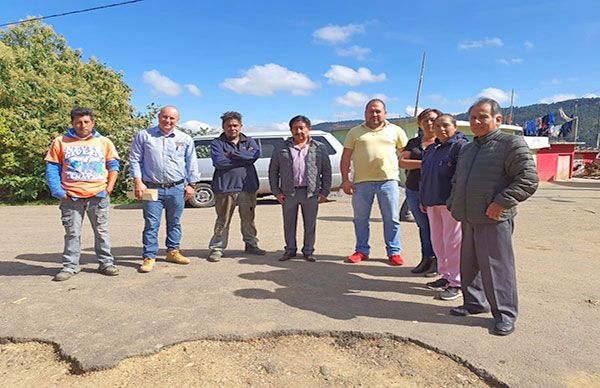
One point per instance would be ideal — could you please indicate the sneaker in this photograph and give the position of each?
(175, 256)
(438, 285)
(111, 270)
(357, 257)
(396, 260)
(147, 265)
(215, 256)
(254, 250)
(62, 276)
(450, 293)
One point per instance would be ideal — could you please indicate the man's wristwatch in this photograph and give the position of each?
(193, 185)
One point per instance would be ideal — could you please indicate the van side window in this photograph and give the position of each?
(321, 139)
(268, 145)
(202, 148)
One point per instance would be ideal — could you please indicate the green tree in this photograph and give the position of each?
(41, 80)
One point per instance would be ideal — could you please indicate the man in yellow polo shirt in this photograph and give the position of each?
(372, 147)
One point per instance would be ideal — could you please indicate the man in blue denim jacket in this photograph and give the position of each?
(234, 183)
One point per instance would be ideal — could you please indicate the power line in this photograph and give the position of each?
(73, 12)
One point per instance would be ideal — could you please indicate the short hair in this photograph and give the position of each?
(494, 106)
(80, 112)
(304, 119)
(231, 115)
(376, 100)
(452, 118)
(427, 111)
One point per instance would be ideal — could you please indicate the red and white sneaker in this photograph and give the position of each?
(396, 259)
(357, 257)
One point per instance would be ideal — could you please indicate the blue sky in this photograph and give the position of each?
(271, 60)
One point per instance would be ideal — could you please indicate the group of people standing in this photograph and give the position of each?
(463, 194)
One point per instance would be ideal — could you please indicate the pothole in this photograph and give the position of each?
(290, 360)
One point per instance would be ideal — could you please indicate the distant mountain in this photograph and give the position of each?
(588, 111)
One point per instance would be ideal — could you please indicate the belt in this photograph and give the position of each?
(163, 185)
(299, 187)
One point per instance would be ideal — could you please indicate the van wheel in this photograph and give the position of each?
(204, 197)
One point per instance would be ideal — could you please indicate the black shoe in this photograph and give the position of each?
(504, 328)
(286, 256)
(463, 311)
(310, 258)
(432, 272)
(438, 285)
(424, 265)
(255, 250)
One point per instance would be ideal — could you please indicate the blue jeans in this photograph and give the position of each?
(412, 197)
(388, 197)
(170, 199)
(72, 213)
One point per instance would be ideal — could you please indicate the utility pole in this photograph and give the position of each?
(576, 122)
(419, 87)
(510, 115)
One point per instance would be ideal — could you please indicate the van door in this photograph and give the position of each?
(267, 146)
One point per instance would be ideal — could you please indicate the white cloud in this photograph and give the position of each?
(497, 94)
(282, 126)
(193, 89)
(410, 110)
(358, 52)
(557, 98)
(342, 75)
(337, 34)
(511, 61)
(161, 84)
(553, 81)
(438, 99)
(346, 115)
(590, 95)
(268, 79)
(473, 44)
(198, 126)
(354, 99)
(528, 45)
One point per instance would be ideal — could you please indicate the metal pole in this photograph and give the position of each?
(419, 87)
(576, 122)
(512, 97)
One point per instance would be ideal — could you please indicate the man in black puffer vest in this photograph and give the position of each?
(494, 173)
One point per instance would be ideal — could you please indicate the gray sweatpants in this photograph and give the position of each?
(487, 269)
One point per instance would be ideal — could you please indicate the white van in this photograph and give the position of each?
(268, 142)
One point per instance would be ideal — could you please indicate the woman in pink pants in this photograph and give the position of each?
(437, 169)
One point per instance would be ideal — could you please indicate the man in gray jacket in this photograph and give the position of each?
(300, 176)
(494, 173)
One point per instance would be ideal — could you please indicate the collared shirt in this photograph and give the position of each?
(159, 158)
(374, 152)
(299, 163)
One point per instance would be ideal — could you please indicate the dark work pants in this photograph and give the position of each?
(310, 207)
(487, 269)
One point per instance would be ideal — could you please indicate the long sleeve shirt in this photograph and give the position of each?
(159, 158)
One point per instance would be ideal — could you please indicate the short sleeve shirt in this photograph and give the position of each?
(374, 152)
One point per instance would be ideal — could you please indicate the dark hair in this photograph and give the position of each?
(494, 106)
(376, 100)
(300, 118)
(427, 111)
(80, 112)
(231, 115)
(452, 118)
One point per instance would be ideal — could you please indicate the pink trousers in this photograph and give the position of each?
(446, 237)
